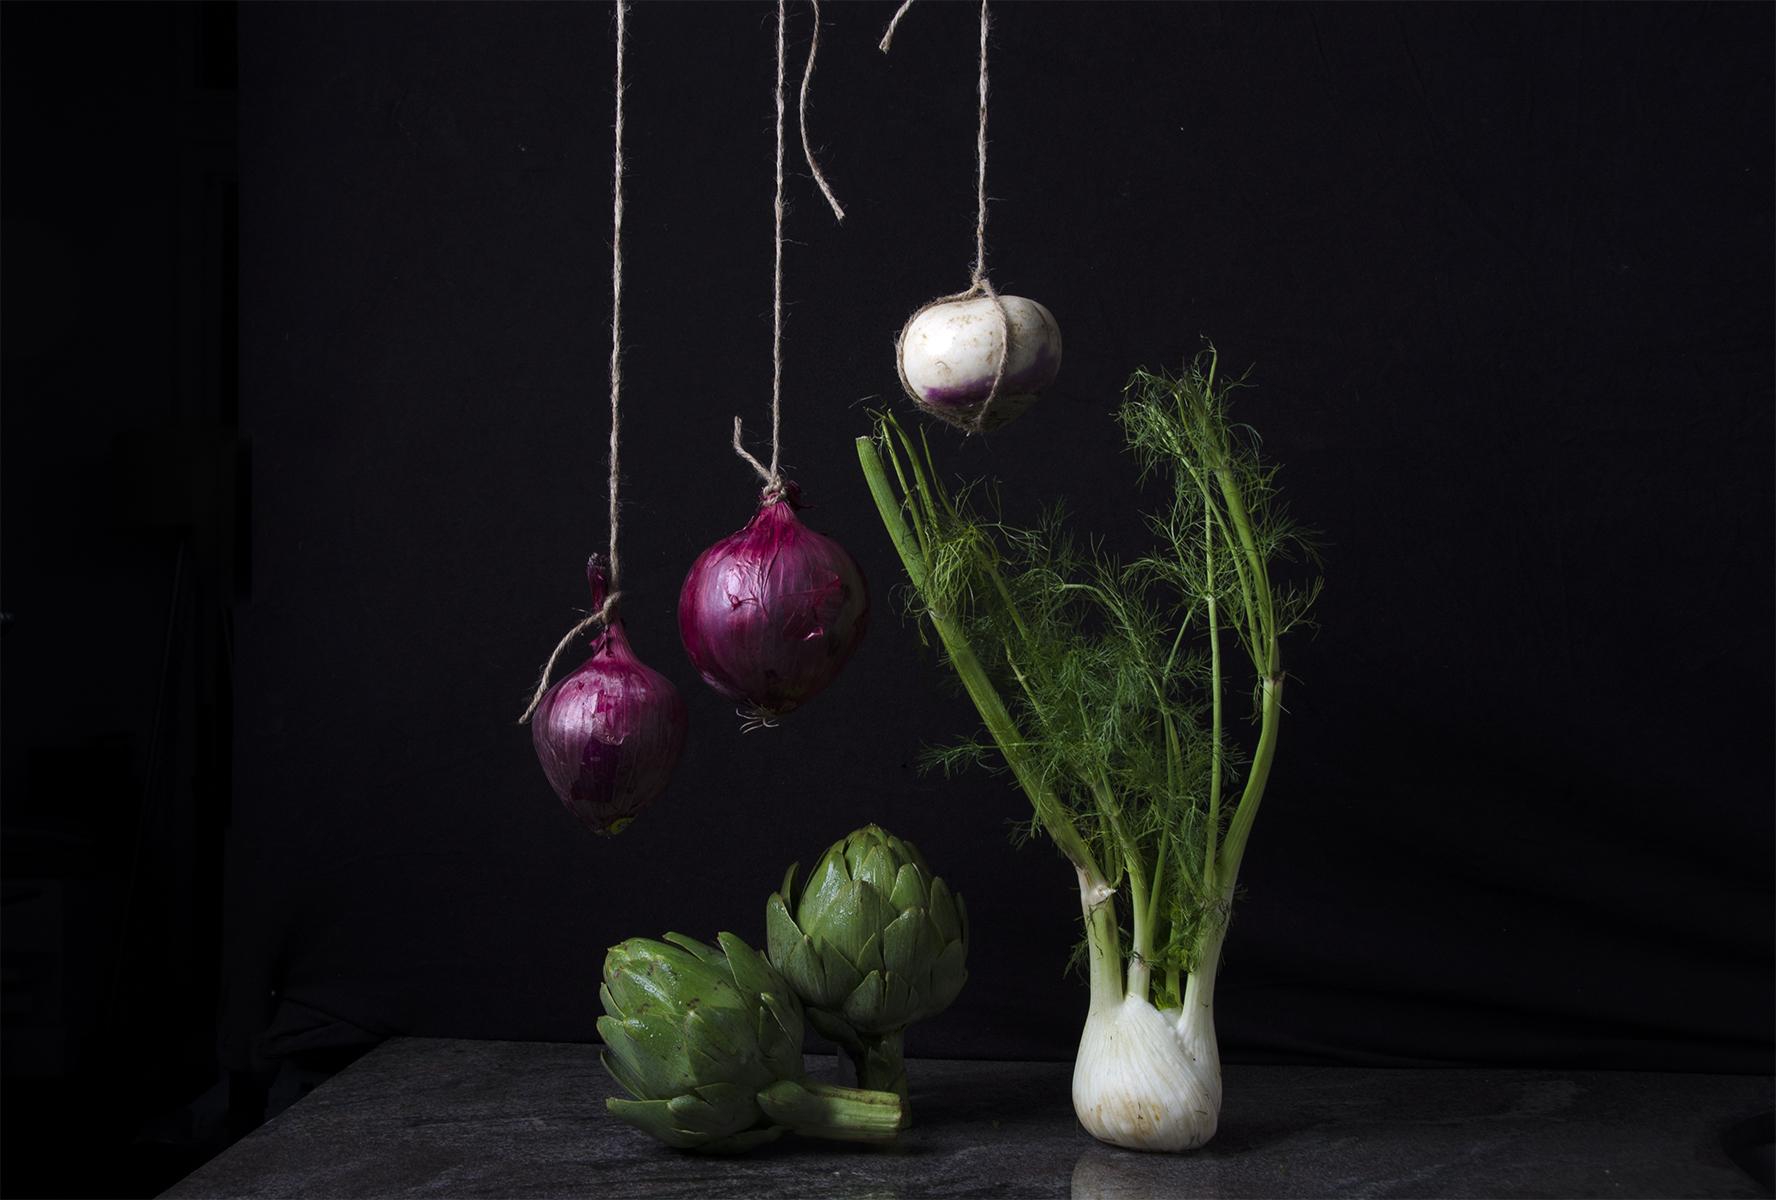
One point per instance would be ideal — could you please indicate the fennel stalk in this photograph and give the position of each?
(1101, 686)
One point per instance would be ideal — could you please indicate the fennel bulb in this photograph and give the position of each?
(1147, 1078)
(1142, 1081)
(1101, 686)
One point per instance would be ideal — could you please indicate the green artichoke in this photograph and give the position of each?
(872, 942)
(709, 1044)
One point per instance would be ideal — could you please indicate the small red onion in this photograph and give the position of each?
(770, 614)
(609, 734)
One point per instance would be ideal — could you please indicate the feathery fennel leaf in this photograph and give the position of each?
(1102, 682)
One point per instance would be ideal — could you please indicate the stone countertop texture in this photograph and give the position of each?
(434, 1117)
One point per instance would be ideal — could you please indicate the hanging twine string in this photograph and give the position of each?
(888, 37)
(607, 611)
(978, 284)
(802, 117)
(980, 166)
(772, 475)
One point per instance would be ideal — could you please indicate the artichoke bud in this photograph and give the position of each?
(872, 942)
(708, 1043)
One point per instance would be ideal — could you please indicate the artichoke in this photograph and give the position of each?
(872, 942)
(709, 1043)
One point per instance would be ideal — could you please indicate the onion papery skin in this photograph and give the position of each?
(770, 614)
(609, 734)
(950, 352)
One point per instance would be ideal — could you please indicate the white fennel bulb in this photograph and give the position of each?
(1143, 1081)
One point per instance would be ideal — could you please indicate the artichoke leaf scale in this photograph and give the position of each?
(909, 943)
(727, 1033)
(807, 969)
(949, 973)
(861, 1006)
(842, 977)
(900, 1004)
(877, 869)
(849, 923)
(725, 1095)
(633, 990)
(702, 1067)
(635, 1076)
(779, 1034)
(703, 953)
(943, 911)
(625, 1078)
(792, 951)
(641, 973)
(829, 879)
(750, 970)
(653, 1117)
(781, 930)
(870, 957)
(654, 1049)
(716, 1118)
(835, 1029)
(910, 889)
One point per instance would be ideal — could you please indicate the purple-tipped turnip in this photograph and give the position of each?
(950, 354)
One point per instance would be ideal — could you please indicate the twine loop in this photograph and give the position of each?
(602, 619)
(773, 478)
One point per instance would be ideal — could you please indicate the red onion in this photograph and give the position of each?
(770, 614)
(609, 734)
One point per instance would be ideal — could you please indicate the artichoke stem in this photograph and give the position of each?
(826, 1110)
(880, 1064)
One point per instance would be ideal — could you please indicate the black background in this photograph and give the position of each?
(1504, 277)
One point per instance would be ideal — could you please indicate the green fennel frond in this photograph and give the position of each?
(1100, 681)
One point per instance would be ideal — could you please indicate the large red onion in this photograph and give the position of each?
(609, 734)
(770, 614)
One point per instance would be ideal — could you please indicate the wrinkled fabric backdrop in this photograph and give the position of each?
(1503, 276)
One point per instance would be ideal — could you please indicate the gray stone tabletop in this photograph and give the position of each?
(432, 1117)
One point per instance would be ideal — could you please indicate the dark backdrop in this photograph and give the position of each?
(1505, 279)
(1504, 276)
(1504, 273)
(122, 487)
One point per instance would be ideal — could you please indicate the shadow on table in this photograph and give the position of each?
(1108, 1173)
(794, 1167)
(1752, 1144)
